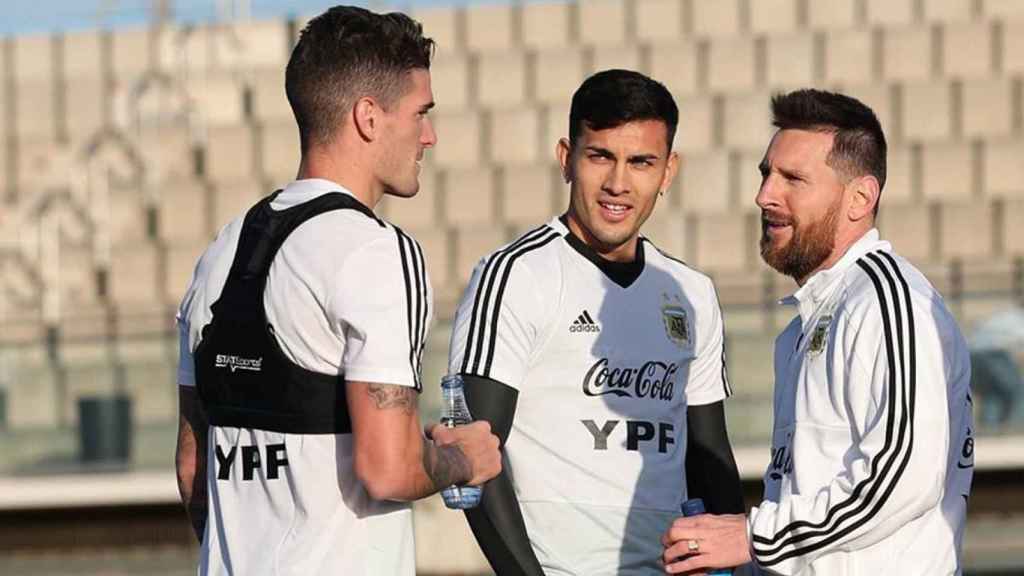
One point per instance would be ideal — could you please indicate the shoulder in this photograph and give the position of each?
(882, 281)
(535, 251)
(688, 276)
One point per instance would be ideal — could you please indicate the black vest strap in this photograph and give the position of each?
(243, 377)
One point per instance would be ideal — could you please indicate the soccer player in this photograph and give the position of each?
(299, 440)
(872, 454)
(597, 359)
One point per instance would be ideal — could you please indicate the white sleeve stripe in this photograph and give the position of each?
(880, 479)
(421, 306)
(479, 302)
(485, 312)
(411, 273)
(425, 313)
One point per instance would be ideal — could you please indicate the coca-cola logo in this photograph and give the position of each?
(653, 379)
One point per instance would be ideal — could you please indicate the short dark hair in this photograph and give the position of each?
(858, 147)
(347, 53)
(612, 98)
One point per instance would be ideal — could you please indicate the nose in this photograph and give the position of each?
(766, 195)
(616, 181)
(429, 137)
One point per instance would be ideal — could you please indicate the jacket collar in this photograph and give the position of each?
(822, 283)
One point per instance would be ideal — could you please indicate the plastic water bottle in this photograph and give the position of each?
(454, 412)
(695, 507)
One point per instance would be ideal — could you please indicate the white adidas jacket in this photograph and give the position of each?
(872, 453)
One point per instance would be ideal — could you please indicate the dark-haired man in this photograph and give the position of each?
(872, 452)
(597, 359)
(299, 440)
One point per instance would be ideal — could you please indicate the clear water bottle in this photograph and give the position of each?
(695, 507)
(454, 412)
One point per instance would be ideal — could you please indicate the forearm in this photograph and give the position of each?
(393, 458)
(190, 460)
(437, 468)
(711, 472)
(499, 529)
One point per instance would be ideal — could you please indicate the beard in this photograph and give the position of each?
(810, 245)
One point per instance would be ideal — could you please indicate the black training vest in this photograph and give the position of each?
(243, 377)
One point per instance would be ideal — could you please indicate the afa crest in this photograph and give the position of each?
(819, 338)
(676, 320)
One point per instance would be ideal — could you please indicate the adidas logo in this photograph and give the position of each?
(584, 324)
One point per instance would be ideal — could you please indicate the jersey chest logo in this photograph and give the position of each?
(677, 323)
(819, 338)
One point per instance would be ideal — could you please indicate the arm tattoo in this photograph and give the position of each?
(392, 396)
(445, 465)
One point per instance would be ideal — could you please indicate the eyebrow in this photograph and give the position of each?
(766, 168)
(634, 158)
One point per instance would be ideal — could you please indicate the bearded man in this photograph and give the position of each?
(872, 452)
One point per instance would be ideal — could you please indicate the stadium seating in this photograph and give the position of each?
(141, 143)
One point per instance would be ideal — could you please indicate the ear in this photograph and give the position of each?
(864, 195)
(563, 152)
(671, 169)
(366, 118)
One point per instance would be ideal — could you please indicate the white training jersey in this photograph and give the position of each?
(604, 372)
(872, 448)
(347, 294)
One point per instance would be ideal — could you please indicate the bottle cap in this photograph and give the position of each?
(451, 381)
(693, 507)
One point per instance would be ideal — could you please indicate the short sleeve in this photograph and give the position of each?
(381, 303)
(708, 380)
(497, 323)
(186, 363)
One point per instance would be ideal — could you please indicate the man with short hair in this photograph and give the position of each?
(303, 329)
(872, 453)
(597, 358)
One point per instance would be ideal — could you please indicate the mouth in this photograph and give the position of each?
(771, 224)
(614, 211)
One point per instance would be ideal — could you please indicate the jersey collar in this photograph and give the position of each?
(299, 191)
(622, 273)
(822, 283)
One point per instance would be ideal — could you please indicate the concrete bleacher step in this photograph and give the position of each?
(556, 74)
(715, 18)
(663, 20)
(705, 182)
(948, 171)
(849, 56)
(502, 79)
(1003, 171)
(967, 50)
(626, 57)
(732, 64)
(791, 59)
(516, 137)
(451, 78)
(231, 153)
(530, 195)
(491, 28)
(469, 197)
(279, 151)
(269, 102)
(460, 139)
(547, 25)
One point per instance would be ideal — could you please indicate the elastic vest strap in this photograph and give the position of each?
(243, 377)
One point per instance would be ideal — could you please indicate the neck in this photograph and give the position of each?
(625, 252)
(844, 240)
(352, 171)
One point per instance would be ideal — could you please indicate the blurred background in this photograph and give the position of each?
(131, 131)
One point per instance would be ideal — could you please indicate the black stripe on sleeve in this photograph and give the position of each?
(408, 276)
(879, 479)
(481, 303)
(425, 313)
(496, 310)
